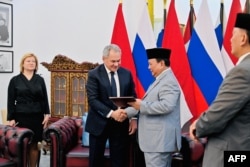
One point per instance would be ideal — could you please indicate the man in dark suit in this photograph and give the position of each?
(105, 120)
(226, 122)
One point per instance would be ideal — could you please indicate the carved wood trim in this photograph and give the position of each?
(63, 63)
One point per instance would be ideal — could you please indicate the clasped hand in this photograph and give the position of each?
(192, 131)
(119, 115)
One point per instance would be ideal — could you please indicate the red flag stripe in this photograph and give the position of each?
(120, 37)
(173, 40)
(235, 8)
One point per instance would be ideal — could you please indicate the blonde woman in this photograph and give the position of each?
(28, 103)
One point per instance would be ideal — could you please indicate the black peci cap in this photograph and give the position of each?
(243, 21)
(158, 53)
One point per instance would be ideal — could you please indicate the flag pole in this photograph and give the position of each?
(191, 16)
(164, 12)
(247, 6)
(222, 14)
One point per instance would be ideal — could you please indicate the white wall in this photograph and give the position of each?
(78, 29)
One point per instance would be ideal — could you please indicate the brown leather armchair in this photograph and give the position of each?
(191, 153)
(14, 142)
(65, 139)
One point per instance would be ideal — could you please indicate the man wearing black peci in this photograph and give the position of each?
(226, 122)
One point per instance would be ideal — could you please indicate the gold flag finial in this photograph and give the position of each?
(191, 2)
(164, 3)
(151, 11)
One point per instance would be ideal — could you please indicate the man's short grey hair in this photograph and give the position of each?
(107, 49)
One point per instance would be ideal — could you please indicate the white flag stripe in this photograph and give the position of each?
(145, 29)
(208, 37)
(227, 60)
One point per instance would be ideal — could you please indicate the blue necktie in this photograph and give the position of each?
(113, 85)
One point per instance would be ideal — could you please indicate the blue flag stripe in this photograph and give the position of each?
(141, 63)
(203, 69)
(218, 32)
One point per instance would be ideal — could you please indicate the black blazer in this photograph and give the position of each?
(27, 96)
(98, 91)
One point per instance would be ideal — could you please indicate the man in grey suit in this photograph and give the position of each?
(159, 129)
(226, 122)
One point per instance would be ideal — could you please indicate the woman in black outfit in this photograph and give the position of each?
(28, 103)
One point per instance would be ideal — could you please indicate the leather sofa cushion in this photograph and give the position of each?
(7, 163)
(79, 156)
(82, 151)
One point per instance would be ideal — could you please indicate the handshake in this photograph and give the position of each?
(119, 115)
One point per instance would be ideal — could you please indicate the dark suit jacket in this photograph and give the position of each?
(98, 91)
(27, 96)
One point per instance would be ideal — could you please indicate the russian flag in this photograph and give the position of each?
(200, 101)
(141, 38)
(144, 39)
(204, 55)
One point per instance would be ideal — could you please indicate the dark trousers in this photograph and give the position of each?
(117, 133)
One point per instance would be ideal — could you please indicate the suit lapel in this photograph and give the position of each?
(105, 79)
(151, 87)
